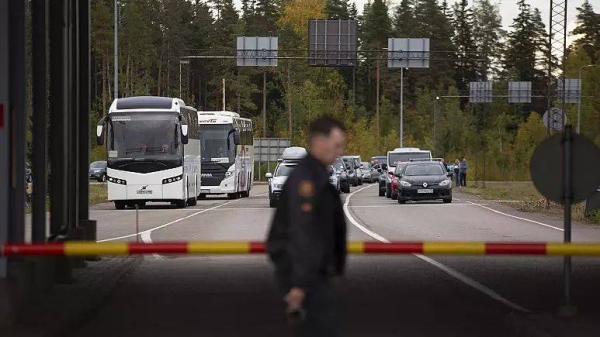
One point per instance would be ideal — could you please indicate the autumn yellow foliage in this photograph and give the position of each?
(298, 12)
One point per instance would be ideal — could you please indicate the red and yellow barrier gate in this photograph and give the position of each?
(79, 248)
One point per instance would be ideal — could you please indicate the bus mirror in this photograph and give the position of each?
(100, 132)
(184, 134)
(236, 138)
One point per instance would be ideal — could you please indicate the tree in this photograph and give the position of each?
(403, 21)
(338, 9)
(588, 26)
(267, 13)
(487, 36)
(466, 66)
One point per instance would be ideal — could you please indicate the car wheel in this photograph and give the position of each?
(401, 201)
(272, 203)
(394, 196)
(119, 204)
(381, 192)
(447, 201)
(388, 191)
(360, 182)
(347, 188)
(102, 178)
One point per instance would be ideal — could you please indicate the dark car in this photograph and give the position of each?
(350, 171)
(98, 171)
(340, 169)
(425, 180)
(383, 178)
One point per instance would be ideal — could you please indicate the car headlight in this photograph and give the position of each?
(228, 174)
(445, 182)
(405, 183)
(277, 186)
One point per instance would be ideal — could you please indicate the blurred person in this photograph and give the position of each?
(464, 166)
(457, 172)
(307, 238)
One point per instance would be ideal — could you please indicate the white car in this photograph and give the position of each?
(289, 160)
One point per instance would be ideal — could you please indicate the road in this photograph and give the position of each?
(408, 295)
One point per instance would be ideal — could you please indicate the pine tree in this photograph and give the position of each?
(353, 11)
(267, 12)
(489, 31)
(588, 25)
(404, 23)
(337, 9)
(465, 45)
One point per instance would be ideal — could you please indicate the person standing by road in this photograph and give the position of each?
(307, 238)
(464, 166)
(457, 172)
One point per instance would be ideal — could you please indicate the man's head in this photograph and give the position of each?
(326, 139)
(464, 160)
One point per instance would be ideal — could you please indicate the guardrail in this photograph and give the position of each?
(82, 248)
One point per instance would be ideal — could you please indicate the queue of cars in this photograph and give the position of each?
(404, 174)
(412, 174)
(346, 171)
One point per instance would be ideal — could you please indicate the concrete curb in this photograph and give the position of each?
(61, 311)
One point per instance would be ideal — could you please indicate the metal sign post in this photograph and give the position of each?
(407, 53)
(568, 197)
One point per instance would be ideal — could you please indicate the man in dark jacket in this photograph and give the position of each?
(307, 239)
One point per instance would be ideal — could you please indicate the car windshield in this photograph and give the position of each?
(144, 134)
(217, 143)
(98, 164)
(395, 158)
(284, 170)
(339, 164)
(400, 169)
(378, 159)
(365, 165)
(424, 170)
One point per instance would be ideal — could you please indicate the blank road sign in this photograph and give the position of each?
(332, 43)
(408, 53)
(519, 92)
(480, 92)
(257, 51)
(572, 90)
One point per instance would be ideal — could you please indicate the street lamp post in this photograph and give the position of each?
(579, 97)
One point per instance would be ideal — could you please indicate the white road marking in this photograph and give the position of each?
(409, 205)
(149, 231)
(457, 275)
(517, 217)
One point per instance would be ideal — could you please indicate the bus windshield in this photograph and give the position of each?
(152, 135)
(399, 157)
(217, 143)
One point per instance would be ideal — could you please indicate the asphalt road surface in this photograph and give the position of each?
(409, 295)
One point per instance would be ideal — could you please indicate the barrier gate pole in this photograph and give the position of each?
(568, 309)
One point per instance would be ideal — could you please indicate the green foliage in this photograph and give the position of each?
(500, 137)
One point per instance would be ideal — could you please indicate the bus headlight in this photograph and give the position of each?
(173, 179)
(228, 174)
(116, 181)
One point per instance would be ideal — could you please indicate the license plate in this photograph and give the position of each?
(425, 190)
(204, 191)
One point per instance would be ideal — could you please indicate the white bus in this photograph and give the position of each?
(153, 149)
(405, 154)
(227, 154)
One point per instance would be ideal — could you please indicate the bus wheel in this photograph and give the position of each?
(233, 195)
(245, 194)
(119, 204)
(141, 204)
(201, 196)
(192, 202)
(180, 203)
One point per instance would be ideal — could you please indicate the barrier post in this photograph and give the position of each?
(567, 309)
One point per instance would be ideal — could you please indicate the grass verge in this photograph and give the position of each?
(525, 197)
(98, 195)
